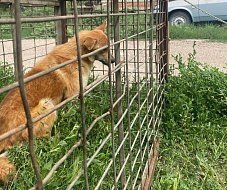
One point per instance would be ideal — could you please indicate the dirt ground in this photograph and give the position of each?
(212, 53)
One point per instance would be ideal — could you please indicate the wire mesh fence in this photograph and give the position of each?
(106, 134)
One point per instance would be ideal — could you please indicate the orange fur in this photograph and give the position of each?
(47, 91)
(5, 168)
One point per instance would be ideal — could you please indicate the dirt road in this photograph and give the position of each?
(212, 53)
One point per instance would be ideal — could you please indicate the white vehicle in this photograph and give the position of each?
(180, 12)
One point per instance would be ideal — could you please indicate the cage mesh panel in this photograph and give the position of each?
(133, 87)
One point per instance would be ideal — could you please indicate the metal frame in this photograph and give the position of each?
(141, 54)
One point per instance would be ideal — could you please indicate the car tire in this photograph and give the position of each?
(179, 18)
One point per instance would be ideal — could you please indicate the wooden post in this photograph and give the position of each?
(61, 26)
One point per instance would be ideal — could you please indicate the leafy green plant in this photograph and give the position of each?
(202, 92)
(194, 128)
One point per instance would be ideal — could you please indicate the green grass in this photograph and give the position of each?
(65, 133)
(6, 77)
(193, 133)
(194, 130)
(210, 32)
(193, 136)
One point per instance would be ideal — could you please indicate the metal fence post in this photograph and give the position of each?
(111, 94)
(163, 39)
(23, 93)
(166, 39)
(12, 10)
(116, 25)
(81, 97)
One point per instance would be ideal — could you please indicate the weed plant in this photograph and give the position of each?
(194, 130)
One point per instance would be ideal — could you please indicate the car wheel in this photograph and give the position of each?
(179, 18)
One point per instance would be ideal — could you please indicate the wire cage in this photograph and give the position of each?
(106, 135)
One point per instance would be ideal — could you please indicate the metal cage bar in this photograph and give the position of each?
(19, 73)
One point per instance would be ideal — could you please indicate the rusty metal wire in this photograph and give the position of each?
(139, 42)
(19, 66)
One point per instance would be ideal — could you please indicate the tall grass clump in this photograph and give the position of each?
(198, 94)
(209, 31)
(194, 129)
